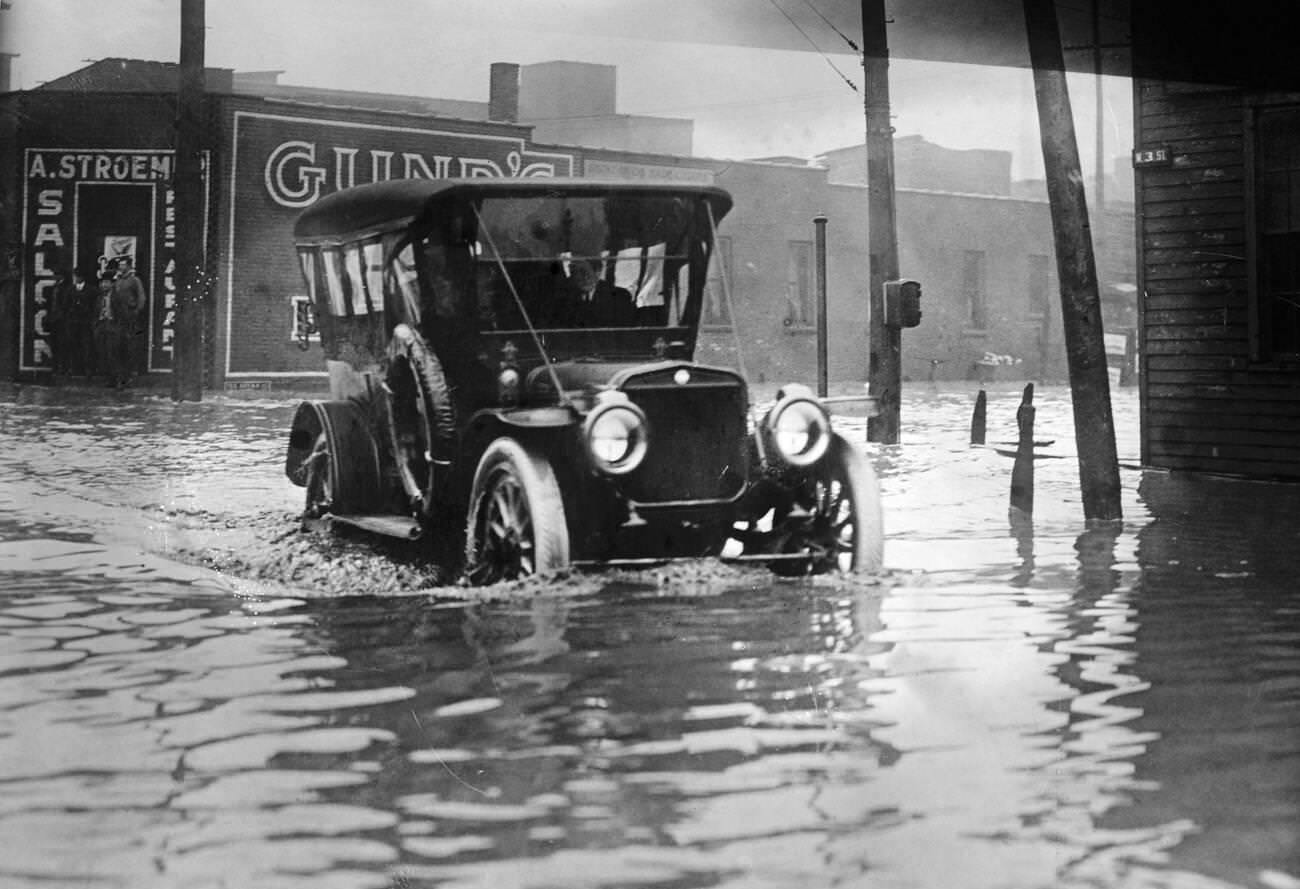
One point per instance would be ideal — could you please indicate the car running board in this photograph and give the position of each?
(401, 526)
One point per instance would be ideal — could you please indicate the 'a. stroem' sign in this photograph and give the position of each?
(281, 164)
(84, 207)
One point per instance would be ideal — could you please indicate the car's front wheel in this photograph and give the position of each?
(516, 524)
(837, 522)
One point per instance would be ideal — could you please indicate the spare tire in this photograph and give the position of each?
(421, 419)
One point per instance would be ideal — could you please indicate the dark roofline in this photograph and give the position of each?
(388, 206)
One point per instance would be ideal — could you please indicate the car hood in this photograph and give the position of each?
(588, 376)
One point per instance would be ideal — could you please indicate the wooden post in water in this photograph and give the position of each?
(1022, 473)
(979, 419)
(1085, 347)
(188, 177)
(885, 344)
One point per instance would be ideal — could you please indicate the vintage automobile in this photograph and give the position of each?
(511, 380)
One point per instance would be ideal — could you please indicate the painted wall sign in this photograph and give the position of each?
(281, 164)
(82, 207)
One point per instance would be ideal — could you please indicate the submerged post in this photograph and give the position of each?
(884, 362)
(1022, 472)
(823, 382)
(188, 177)
(979, 418)
(1085, 347)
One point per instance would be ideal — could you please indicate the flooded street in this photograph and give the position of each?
(193, 693)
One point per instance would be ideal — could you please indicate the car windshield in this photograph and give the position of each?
(591, 261)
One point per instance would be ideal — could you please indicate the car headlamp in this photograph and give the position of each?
(616, 434)
(797, 427)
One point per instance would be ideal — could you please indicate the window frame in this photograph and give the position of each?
(1040, 301)
(1258, 297)
(804, 301)
(975, 293)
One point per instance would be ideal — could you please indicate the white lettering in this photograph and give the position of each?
(39, 288)
(292, 180)
(381, 166)
(345, 167)
(40, 270)
(414, 166)
(49, 202)
(48, 233)
(37, 169)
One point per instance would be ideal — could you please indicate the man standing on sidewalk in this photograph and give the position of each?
(129, 301)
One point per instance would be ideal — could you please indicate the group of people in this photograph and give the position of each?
(96, 328)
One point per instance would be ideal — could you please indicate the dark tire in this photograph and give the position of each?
(843, 529)
(516, 524)
(332, 454)
(421, 420)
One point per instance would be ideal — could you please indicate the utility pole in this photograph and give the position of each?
(884, 374)
(823, 363)
(1099, 99)
(188, 349)
(1085, 346)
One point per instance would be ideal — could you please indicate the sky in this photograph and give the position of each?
(746, 102)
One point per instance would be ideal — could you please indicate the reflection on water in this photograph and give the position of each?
(1039, 704)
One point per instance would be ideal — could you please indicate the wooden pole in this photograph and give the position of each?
(1085, 347)
(819, 230)
(191, 302)
(884, 368)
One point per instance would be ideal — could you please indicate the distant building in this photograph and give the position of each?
(922, 164)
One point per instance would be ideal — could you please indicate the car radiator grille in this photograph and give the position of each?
(697, 438)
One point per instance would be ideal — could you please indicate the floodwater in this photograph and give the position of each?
(188, 700)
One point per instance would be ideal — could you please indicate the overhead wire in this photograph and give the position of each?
(814, 45)
(831, 25)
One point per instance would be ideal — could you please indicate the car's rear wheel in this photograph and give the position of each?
(516, 524)
(321, 474)
(837, 521)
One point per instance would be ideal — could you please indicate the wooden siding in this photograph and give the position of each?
(1206, 405)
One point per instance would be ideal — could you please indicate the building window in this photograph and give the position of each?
(716, 312)
(1040, 286)
(1276, 276)
(799, 285)
(972, 285)
(304, 328)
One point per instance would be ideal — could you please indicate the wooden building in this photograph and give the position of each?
(1217, 158)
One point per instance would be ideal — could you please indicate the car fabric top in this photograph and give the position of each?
(387, 206)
